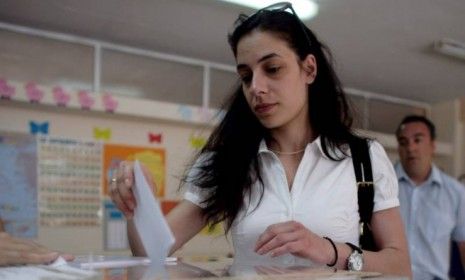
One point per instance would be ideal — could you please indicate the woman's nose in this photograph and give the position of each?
(258, 84)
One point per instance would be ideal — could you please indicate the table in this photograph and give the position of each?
(132, 268)
(225, 268)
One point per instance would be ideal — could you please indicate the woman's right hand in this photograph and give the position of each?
(121, 188)
(122, 185)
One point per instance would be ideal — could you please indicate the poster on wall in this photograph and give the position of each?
(114, 227)
(69, 182)
(18, 184)
(152, 158)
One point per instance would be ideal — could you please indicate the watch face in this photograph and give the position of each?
(355, 262)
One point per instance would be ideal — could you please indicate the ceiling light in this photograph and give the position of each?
(305, 9)
(450, 47)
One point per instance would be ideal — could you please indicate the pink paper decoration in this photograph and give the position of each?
(33, 93)
(85, 100)
(60, 96)
(109, 103)
(6, 91)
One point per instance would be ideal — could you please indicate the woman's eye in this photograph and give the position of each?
(246, 79)
(273, 70)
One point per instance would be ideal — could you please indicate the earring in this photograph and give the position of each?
(313, 78)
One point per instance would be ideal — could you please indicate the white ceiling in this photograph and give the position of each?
(381, 46)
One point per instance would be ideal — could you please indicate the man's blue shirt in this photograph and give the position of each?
(433, 213)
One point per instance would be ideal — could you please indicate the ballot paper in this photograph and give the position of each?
(150, 223)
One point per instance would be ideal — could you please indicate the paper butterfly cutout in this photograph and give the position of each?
(38, 128)
(6, 91)
(85, 100)
(34, 94)
(155, 137)
(109, 103)
(102, 133)
(186, 112)
(197, 142)
(60, 96)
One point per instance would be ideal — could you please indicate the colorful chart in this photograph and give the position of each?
(152, 158)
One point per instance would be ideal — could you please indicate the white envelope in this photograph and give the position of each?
(154, 232)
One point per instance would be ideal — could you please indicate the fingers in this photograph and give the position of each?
(281, 238)
(272, 231)
(67, 257)
(36, 258)
(125, 183)
(291, 247)
(9, 243)
(22, 257)
(121, 189)
(128, 174)
(14, 251)
(279, 244)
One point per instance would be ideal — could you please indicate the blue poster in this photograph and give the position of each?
(18, 184)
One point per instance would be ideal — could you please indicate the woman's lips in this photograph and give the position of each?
(264, 108)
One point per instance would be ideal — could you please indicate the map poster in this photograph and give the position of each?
(18, 184)
(152, 158)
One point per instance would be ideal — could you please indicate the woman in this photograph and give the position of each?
(276, 170)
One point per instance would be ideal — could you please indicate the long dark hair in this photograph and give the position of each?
(229, 165)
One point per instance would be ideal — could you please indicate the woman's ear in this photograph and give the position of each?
(310, 68)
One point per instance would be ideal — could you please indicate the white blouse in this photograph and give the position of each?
(323, 198)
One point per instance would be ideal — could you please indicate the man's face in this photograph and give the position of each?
(416, 149)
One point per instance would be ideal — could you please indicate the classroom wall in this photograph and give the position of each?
(449, 120)
(78, 124)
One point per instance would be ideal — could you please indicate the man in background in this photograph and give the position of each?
(432, 203)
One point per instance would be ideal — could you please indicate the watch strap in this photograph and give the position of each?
(355, 259)
(354, 248)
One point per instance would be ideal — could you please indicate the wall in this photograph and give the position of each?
(449, 121)
(76, 124)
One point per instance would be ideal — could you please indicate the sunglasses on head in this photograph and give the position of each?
(276, 7)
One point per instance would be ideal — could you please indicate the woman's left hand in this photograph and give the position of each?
(294, 238)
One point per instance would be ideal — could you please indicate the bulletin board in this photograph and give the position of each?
(18, 182)
(69, 173)
(152, 158)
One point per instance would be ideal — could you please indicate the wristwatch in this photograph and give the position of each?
(355, 259)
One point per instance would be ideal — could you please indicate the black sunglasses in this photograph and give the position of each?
(276, 7)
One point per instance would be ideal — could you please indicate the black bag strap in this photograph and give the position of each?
(364, 176)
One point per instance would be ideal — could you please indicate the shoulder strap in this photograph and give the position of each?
(364, 176)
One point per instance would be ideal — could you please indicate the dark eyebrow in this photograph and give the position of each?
(265, 57)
